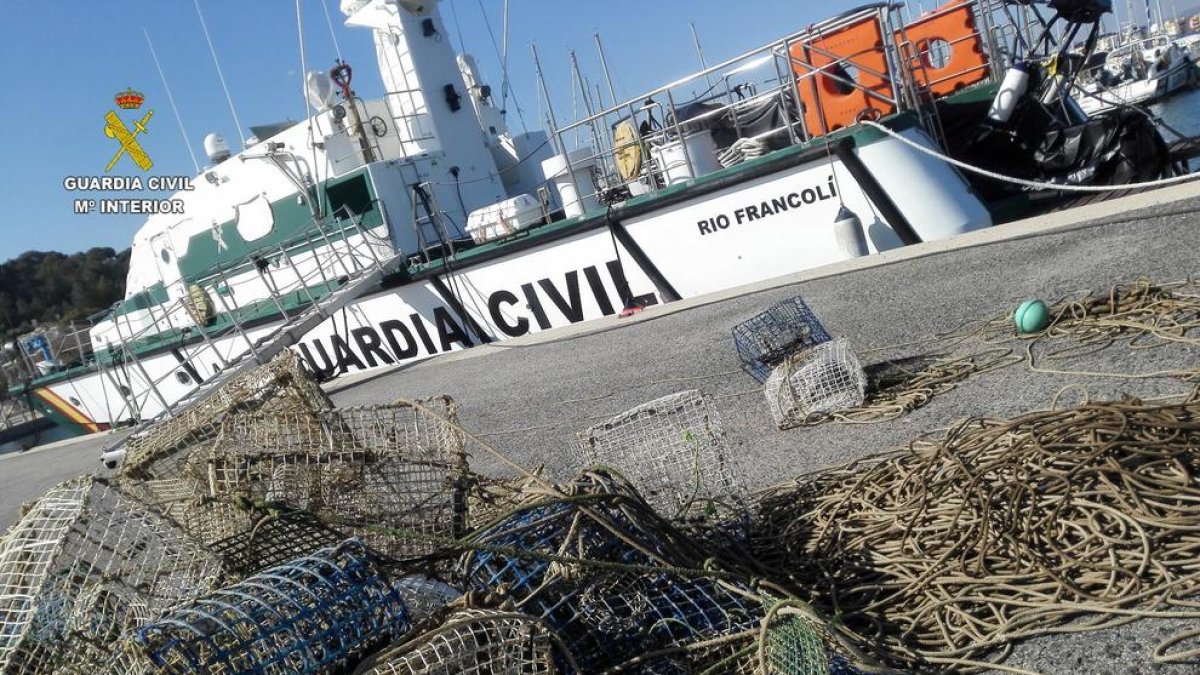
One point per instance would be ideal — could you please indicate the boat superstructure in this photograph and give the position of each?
(375, 233)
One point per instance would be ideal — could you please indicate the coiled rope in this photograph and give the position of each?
(954, 548)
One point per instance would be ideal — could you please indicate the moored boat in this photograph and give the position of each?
(1142, 71)
(379, 232)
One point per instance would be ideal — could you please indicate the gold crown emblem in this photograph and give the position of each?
(129, 99)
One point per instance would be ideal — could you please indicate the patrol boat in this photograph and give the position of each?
(378, 232)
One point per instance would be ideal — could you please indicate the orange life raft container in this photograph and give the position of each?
(854, 52)
(950, 32)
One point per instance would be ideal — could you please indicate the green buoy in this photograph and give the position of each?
(1031, 317)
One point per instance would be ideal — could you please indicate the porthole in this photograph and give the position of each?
(166, 255)
(124, 390)
(74, 401)
(183, 377)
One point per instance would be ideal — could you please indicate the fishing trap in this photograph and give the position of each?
(86, 563)
(393, 475)
(605, 573)
(471, 642)
(674, 452)
(767, 339)
(281, 386)
(814, 383)
(316, 614)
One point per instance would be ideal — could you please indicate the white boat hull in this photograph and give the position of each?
(763, 228)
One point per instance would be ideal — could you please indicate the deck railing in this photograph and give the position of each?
(270, 284)
(863, 64)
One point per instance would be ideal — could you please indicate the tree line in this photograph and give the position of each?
(51, 287)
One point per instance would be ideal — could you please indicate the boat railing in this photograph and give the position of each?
(58, 347)
(279, 281)
(863, 64)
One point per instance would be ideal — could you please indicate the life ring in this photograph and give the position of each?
(627, 151)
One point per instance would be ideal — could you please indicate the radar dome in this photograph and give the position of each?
(318, 87)
(216, 148)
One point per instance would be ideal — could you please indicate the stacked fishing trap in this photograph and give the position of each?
(272, 533)
(392, 475)
(806, 375)
(85, 564)
(279, 386)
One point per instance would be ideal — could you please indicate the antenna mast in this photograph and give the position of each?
(220, 75)
(171, 100)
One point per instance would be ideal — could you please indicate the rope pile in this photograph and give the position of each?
(1142, 314)
(896, 388)
(950, 550)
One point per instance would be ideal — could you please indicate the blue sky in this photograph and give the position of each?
(66, 60)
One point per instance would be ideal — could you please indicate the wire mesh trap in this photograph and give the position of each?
(84, 564)
(393, 475)
(471, 642)
(673, 450)
(603, 570)
(815, 383)
(785, 328)
(317, 614)
(283, 386)
(951, 550)
(274, 539)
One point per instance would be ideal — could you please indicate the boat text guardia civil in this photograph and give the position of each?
(379, 232)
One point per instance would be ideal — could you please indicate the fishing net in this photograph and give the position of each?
(425, 596)
(815, 382)
(895, 388)
(84, 564)
(281, 386)
(602, 570)
(317, 614)
(785, 328)
(1001, 530)
(393, 475)
(471, 642)
(674, 452)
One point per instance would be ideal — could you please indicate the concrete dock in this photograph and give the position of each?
(528, 397)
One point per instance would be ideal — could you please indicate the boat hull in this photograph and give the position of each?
(749, 231)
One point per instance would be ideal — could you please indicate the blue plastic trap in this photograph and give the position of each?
(786, 328)
(315, 614)
(606, 616)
